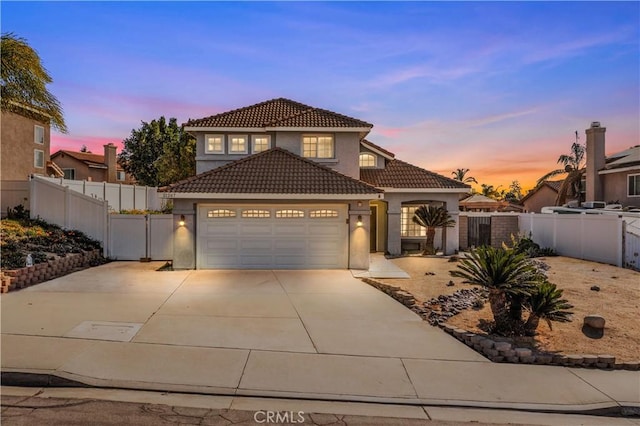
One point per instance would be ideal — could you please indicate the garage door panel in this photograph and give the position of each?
(272, 242)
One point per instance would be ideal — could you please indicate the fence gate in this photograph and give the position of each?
(479, 231)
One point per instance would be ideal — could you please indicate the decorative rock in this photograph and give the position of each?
(513, 359)
(502, 346)
(594, 321)
(595, 288)
(496, 358)
(544, 359)
(527, 359)
(491, 353)
(450, 284)
(487, 344)
(575, 359)
(522, 352)
(607, 359)
(508, 353)
(590, 359)
(477, 338)
(633, 366)
(559, 360)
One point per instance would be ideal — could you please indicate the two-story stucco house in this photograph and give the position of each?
(285, 185)
(92, 167)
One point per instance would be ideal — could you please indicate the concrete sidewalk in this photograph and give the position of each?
(319, 335)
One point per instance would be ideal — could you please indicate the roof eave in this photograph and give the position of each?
(427, 190)
(377, 151)
(261, 196)
(276, 129)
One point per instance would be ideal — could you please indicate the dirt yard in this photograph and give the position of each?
(618, 301)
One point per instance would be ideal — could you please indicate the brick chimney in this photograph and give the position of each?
(595, 161)
(110, 162)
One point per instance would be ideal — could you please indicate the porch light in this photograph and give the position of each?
(182, 221)
(359, 222)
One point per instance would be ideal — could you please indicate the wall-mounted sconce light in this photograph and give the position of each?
(359, 203)
(182, 221)
(359, 222)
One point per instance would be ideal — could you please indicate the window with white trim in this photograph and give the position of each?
(289, 214)
(322, 213)
(219, 213)
(38, 134)
(38, 158)
(408, 228)
(69, 173)
(633, 187)
(317, 146)
(238, 144)
(260, 143)
(367, 160)
(256, 214)
(214, 144)
(120, 175)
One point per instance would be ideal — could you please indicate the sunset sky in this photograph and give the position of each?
(496, 87)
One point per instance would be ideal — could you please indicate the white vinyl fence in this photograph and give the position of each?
(120, 197)
(12, 194)
(632, 245)
(69, 209)
(133, 237)
(597, 238)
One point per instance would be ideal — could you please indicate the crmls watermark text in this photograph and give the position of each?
(278, 416)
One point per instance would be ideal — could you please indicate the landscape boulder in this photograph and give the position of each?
(594, 321)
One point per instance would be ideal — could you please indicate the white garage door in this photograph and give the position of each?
(268, 236)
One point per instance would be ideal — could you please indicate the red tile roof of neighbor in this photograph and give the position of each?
(275, 171)
(86, 157)
(279, 112)
(398, 174)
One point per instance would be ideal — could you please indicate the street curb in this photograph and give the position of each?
(51, 380)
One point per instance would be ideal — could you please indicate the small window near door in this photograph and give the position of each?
(69, 173)
(256, 214)
(218, 213)
(38, 158)
(316, 214)
(289, 214)
(367, 160)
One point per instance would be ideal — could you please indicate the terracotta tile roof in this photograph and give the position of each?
(279, 112)
(554, 184)
(275, 171)
(370, 144)
(399, 174)
(86, 157)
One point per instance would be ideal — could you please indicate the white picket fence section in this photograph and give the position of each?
(132, 237)
(69, 209)
(119, 196)
(597, 238)
(12, 194)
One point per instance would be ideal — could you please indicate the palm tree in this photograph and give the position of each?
(461, 175)
(432, 217)
(546, 302)
(574, 168)
(24, 80)
(491, 191)
(505, 273)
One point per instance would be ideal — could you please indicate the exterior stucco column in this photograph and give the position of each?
(184, 241)
(394, 240)
(452, 240)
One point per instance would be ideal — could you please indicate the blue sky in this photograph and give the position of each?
(496, 87)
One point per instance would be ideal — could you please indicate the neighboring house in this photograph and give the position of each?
(92, 167)
(544, 195)
(284, 185)
(25, 140)
(613, 179)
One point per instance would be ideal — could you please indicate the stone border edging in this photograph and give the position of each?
(30, 275)
(497, 351)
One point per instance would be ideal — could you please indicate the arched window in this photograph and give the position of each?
(367, 160)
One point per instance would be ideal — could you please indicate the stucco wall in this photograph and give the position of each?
(83, 172)
(17, 149)
(544, 197)
(616, 188)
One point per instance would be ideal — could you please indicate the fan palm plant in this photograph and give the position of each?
(546, 302)
(432, 217)
(505, 273)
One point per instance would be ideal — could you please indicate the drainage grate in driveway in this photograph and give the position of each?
(105, 330)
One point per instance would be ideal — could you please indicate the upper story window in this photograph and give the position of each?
(318, 146)
(120, 175)
(38, 158)
(633, 188)
(238, 144)
(214, 144)
(38, 134)
(69, 173)
(260, 143)
(367, 160)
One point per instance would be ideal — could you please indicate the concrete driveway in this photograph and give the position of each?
(314, 334)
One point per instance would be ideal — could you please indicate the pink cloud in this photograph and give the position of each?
(94, 144)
